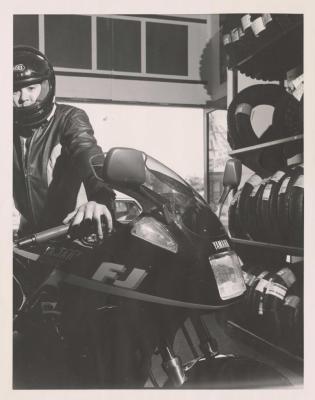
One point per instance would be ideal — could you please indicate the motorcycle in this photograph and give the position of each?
(99, 311)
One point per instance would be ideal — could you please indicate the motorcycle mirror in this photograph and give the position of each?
(123, 166)
(232, 173)
(231, 179)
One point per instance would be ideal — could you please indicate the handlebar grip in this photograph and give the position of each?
(43, 236)
(51, 233)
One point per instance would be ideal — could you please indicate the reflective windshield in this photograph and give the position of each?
(183, 202)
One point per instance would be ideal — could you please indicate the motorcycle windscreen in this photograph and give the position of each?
(228, 274)
(129, 169)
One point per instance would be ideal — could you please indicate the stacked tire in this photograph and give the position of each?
(274, 303)
(271, 209)
(244, 34)
(287, 121)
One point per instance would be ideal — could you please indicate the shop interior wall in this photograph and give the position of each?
(172, 135)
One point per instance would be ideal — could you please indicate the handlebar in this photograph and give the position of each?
(48, 234)
(54, 233)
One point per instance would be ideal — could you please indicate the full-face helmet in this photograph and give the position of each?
(30, 66)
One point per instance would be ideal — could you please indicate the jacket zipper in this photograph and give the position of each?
(27, 180)
(26, 168)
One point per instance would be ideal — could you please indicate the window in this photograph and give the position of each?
(68, 40)
(25, 30)
(167, 49)
(118, 45)
(172, 135)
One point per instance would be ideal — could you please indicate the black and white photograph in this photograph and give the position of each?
(156, 201)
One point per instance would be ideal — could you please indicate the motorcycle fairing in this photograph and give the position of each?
(133, 269)
(184, 277)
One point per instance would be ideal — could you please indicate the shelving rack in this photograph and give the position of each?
(257, 148)
(250, 155)
(294, 251)
(285, 50)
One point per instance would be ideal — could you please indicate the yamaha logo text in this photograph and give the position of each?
(221, 244)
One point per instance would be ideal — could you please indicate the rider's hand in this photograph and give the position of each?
(93, 212)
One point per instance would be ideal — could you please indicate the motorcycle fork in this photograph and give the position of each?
(172, 364)
(207, 343)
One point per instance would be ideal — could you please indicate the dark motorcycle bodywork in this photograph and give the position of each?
(136, 286)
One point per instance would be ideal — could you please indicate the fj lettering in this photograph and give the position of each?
(112, 271)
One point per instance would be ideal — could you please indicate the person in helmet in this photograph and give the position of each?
(52, 178)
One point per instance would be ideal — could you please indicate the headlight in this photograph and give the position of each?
(228, 274)
(152, 231)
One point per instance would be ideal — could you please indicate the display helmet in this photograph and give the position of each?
(30, 66)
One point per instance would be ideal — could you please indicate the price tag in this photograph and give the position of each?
(254, 191)
(277, 290)
(299, 182)
(267, 192)
(284, 185)
(226, 39)
(235, 35)
(266, 18)
(298, 92)
(246, 22)
(241, 31)
(277, 176)
(297, 81)
(287, 275)
(292, 301)
(261, 285)
(248, 278)
(254, 180)
(244, 108)
(258, 26)
(235, 198)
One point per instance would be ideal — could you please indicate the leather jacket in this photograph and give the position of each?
(53, 176)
